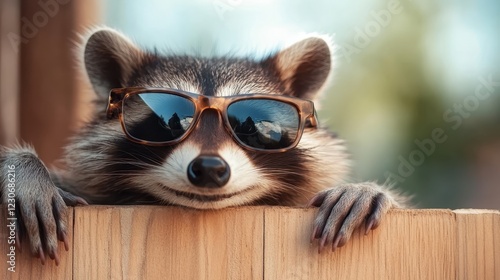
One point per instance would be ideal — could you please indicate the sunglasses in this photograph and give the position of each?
(158, 117)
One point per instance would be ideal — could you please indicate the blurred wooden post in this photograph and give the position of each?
(51, 90)
(9, 72)
(154, 242)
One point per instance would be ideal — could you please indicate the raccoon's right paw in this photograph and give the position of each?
(42, 217)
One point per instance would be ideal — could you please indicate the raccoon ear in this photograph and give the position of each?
(304, 66)
(109, 58)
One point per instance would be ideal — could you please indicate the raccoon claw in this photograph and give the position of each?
(71, 199)
(55, 257)
(345, 208)
(62, 236)
(40, 255)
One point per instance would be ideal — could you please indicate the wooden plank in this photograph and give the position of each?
(478, 244)
(26, 266)
(405, 246)
(168, 243)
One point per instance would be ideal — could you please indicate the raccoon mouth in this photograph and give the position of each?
(204, 198)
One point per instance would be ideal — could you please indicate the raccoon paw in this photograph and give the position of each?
(38, 204)
(41, 219)
(344, 208)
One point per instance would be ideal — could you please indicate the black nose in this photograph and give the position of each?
(208, 172)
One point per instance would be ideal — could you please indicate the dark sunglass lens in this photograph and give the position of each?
(264, 123)
(157, 117)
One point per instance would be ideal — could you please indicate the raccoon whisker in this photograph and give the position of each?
(128, 162)
(118, 174)
(157, 160)
(278, 172)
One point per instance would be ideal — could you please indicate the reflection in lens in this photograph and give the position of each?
(157, 117)
(264, 123)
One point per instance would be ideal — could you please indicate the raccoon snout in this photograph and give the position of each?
(208, 172)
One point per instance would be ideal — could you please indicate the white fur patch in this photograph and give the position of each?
(179, 85)
(174, 171)
(243, 172)
(185, 86)
(231, 89)
(245, 185)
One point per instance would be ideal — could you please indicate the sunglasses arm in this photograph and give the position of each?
(312, 121)
(115, 100)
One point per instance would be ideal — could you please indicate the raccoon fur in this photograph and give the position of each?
(102, 166)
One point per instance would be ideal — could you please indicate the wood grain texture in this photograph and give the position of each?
(168, 243)
(28, 267)
(403, 247)
(478, 244)
(154, 242)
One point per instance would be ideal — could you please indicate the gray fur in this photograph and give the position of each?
(104, 167)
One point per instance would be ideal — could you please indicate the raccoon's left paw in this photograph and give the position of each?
(344, 208)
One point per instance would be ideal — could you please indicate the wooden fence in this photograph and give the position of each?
(142, 242)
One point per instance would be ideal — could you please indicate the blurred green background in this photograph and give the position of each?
(416, 88)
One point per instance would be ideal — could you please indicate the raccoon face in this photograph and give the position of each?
(208, 169)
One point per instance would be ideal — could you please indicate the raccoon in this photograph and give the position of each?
(240, 131)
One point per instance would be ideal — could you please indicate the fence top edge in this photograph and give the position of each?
(279, 209)
(476, 211)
